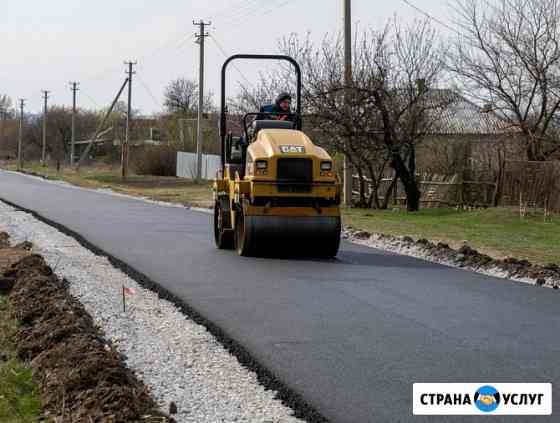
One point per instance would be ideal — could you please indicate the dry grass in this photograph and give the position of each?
(160, 188)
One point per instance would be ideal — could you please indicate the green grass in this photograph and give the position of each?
(19, 400)
(499, 232)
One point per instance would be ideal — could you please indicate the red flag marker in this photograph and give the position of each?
(129, 291)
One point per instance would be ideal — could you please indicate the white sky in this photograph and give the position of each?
(45, 44)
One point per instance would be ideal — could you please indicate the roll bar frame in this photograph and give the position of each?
(223, 108)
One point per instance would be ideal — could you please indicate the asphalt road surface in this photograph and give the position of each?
(351, 335)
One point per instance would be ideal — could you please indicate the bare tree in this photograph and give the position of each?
(390, 107)
(6, 113)
(181, 96)
(58, 131)
(5, 106)
(507, 56)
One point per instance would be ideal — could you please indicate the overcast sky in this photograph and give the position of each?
(45, 44)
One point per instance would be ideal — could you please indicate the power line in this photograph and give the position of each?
(255, 13)
(165, 45)
(236, 10)
(407, 2)
(240, 13)
(92, 101)
(226, 55)
(149, 91)
(186, 40)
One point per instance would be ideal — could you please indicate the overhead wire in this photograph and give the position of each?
(165, 45)
(226, 55)
(429, 16)
(235, 12)
(149, 91)
(182, 39)
(90, 98)
(256, 13)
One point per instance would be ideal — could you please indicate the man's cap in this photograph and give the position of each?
(282, 97)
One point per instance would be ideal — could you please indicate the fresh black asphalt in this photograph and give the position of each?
(350, 335)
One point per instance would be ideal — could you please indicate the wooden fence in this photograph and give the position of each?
(439, 191)
(523, 184)
(531, 184)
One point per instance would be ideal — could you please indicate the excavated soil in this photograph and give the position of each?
(81, 377)
(468, 257)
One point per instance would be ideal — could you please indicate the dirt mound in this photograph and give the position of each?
(81, 377)
(468, 257)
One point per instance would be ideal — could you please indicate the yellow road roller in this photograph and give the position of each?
(275, 192)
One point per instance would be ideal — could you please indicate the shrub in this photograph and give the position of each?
(154, 160)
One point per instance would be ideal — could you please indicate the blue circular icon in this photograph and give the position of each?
(487, 398)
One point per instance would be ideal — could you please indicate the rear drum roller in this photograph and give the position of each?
(223, 237)
(244, 241)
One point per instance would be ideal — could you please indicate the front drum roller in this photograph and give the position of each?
(223, 236)
(317, 236)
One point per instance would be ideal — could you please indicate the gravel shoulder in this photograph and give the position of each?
(463, 257)
(179, 360)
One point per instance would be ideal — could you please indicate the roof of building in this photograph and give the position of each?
(460, 116)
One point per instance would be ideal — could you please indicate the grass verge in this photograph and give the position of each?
(19, 397)
(498, 232)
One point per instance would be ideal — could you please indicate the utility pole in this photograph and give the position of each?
(74, 89)
(3, 115)
(99, 130)
(347, 191)
(45, 110)
(200, 40)
(20, 134)
(125, 146)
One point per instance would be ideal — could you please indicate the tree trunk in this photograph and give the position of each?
(392, 187)
(412, 197)
(362, 202)
(409, 183)
(373, 200)
(530, 154)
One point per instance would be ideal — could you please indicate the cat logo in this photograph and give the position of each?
(287, 149)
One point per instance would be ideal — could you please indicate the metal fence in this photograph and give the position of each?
(186, 165)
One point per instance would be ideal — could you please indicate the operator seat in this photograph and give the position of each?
(272, 124)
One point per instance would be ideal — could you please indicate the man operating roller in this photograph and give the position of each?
(280, 110)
